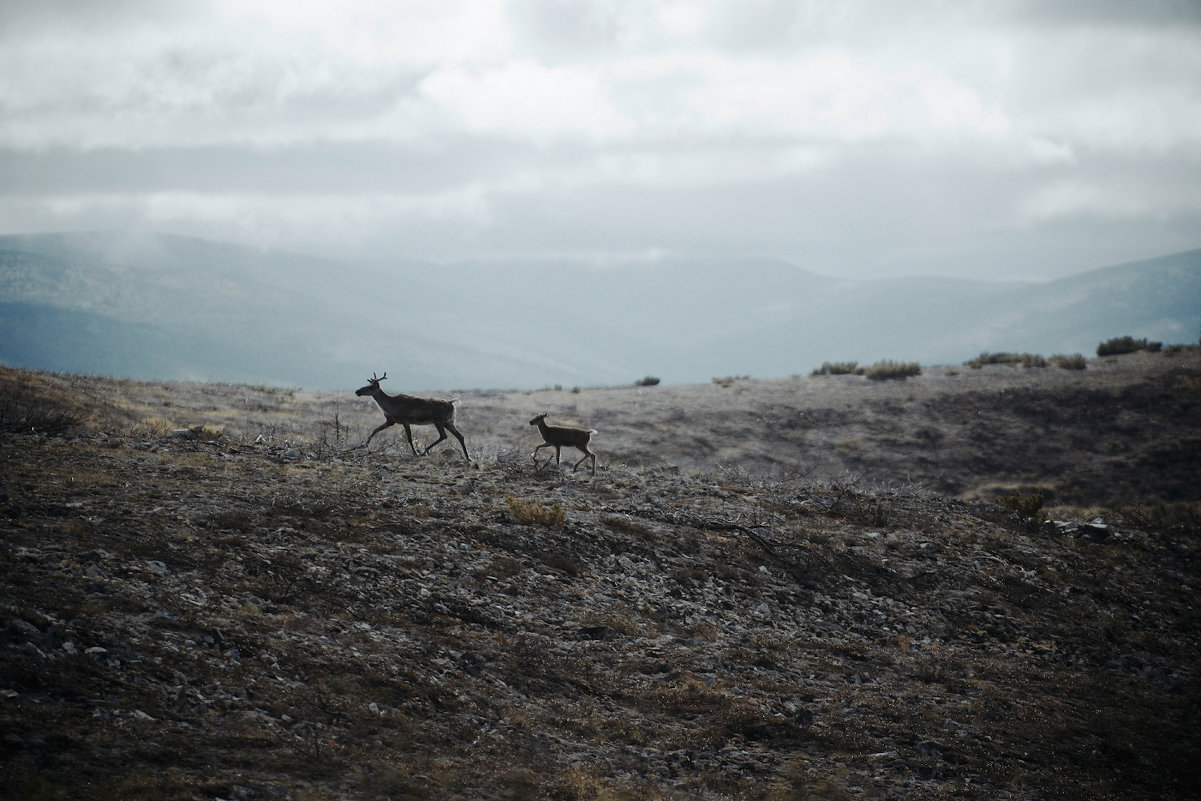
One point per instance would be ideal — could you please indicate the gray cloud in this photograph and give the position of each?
(859, 137)
(1092, 13)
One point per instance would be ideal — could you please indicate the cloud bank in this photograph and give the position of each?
(1007, 139)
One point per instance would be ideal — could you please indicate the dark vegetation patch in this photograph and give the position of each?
(1092, 446)
(838, 368)
(1014, 359)
(1127, 344)
(892, 371)
(27, 406)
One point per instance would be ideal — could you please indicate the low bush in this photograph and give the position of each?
(649, 381)
(26, 411)
(1033, 360)
(1127, 344)
(1074, 362)
(990, 358)
(890, 370)
(1030, 506)
(536, 513)
(1024, 359)
(52, 421)
(838, 368)
(154, 426)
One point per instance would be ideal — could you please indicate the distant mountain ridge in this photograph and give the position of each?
(177, 308)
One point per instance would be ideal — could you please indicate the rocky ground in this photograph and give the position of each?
(209, 593)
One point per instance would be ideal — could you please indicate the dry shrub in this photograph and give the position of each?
(154, 427)
(1024, 359)
(1126, 344)
(536, 512)
(1075, 361)
(1030, 506)
(838, 368)
(25, 411)
(890, 370)
(687, 695)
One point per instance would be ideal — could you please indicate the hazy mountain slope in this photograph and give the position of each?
(157, 306)
(596, 325)
(947, 321)
(1157, 298)
(242, 313)
(102, 342)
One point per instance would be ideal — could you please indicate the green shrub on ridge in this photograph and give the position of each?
(1024, 359)
(1073, 362)
(1127, 344)
(890, 370)
(838, 368)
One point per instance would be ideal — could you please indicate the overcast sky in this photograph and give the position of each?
(977, 139)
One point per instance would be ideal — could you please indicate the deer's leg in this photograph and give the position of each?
(378, 429)
(459, 434)
(409, 436)
(547, 445)
(441, 436)
(587, 455)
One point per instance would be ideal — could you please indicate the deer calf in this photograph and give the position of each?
(408, 410)
(558, 436)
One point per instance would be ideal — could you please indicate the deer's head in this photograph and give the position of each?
(372, 384)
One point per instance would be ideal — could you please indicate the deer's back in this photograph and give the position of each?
(418, 411)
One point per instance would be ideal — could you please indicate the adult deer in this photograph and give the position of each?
(408, 410)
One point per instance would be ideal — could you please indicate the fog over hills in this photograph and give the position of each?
(169, 307)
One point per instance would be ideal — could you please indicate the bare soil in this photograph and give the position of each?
(769, 590)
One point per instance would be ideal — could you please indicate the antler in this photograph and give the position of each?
(374, 380)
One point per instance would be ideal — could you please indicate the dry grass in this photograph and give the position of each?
(529, 512)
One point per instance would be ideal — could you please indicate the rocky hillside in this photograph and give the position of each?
(208, 593)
